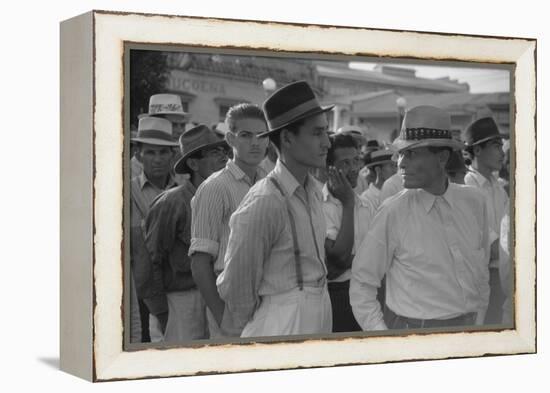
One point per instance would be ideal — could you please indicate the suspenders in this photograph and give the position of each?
(299, 276)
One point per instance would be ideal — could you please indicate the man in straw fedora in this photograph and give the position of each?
(155, 142)
(168, 235)
(484, 145)
(274, 280)
(169, 107)
(218, 197)
(431, 241)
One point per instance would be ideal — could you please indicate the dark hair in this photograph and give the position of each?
(275, 137)
(242, 111)
(339, 141)
(456, 162)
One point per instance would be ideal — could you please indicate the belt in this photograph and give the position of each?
(461, 320)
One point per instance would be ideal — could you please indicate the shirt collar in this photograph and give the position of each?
(189, 186)
(143, 181)
(287, 179)
(428, 199)
(238, 173)
(479, 178)
(373, 188)
(289, 182)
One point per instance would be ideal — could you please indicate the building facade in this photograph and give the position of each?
(209, 84)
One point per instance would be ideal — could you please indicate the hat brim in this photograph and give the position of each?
(370, 165)
(153, 141)
(400, 145)
(181, 165)
(499, 136)
(304, 115)
(174, 117)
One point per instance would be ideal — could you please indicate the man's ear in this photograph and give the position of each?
(476, 150)
(230, 138)
(137, 154)
(285, 137)
(192, 164)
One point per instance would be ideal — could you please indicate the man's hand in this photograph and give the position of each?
(339, 186)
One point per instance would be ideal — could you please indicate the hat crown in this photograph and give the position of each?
(196, 137)
(165, 103)
(154, 124)
(481, 130)
(427, 117)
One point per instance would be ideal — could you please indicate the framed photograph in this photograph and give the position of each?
(132, 81)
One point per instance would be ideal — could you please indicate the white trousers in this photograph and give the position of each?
(155, 330)
(186, 316)
(294, 312)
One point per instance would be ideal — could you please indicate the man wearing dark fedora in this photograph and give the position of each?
(274, 280)
(380, 163)
(218, 197)
(168, 235)
(431, 241)
(484, 145)
(154, 142)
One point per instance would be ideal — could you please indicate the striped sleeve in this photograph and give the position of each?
(255, 228)
(207, 218)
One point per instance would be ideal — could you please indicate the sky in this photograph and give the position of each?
(481, 80)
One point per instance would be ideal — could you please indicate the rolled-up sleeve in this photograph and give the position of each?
(368, 269)
(207, 217)
(255, 228)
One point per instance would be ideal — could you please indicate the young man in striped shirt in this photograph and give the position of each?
(274, 278)
(217, 198)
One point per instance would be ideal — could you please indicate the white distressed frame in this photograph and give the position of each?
(112, 30)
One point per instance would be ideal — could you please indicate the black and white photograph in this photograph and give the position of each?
(255, 196)
(274, 197)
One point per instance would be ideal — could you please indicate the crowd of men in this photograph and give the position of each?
(270, 225)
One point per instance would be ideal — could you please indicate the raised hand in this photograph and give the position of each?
(339, 186)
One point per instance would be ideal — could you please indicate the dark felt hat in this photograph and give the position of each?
(193, 140)
(289, 104)
(379, 157)
(480, 131)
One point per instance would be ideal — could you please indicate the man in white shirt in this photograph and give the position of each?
(431, 241)
(348, 218)
(484, 145)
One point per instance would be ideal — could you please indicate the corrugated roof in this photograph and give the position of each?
(379, 77)
(460, 102)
